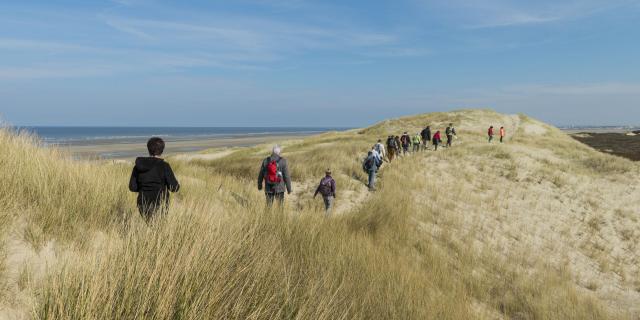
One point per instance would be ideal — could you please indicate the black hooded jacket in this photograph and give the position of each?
(152, 178)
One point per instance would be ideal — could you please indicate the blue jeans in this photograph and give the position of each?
(372, 179)
(328, 203)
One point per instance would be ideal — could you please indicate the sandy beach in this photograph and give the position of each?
(132, 150)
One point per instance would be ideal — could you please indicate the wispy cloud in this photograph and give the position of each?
(511, 13)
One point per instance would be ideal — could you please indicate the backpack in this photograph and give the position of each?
(325, 187)
(391, 142)
(273, 175)
(368, 163)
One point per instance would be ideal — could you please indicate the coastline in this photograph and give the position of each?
(124, 151)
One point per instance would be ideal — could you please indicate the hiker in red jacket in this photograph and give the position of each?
(436, 140)
(490, 133)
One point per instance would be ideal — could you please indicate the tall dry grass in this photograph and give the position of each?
(397, 254)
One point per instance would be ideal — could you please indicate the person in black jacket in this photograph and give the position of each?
(426, 137)
(153, 179)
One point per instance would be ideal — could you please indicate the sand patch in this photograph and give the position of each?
(205, 156)
(534, 129)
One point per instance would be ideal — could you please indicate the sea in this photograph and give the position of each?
(80, 136)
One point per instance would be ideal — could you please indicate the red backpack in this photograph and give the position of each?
(273, 175)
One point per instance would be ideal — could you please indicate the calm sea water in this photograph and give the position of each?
(70, 136)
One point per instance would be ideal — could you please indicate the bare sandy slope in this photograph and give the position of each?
(541, 196)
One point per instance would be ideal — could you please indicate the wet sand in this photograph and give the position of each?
(132, 150)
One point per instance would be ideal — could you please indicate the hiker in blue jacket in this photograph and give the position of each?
(370, 166)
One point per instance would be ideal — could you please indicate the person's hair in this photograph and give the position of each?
(155, 146)
(379, 140)
(276, 149)
(450, 124)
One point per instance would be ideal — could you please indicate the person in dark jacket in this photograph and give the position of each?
(153, 179)
(274, 174)
(406, 142)
(399, 144)
(426, 137)
(392, 148)
(371, 168)
(327, 188)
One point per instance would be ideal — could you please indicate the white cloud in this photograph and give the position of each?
(508, 13)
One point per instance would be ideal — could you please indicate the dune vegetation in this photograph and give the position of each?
(540, 227)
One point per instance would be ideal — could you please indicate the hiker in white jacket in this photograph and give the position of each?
(379, 147)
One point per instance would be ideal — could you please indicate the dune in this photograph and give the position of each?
(539, 227)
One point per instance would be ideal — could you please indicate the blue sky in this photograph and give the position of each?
(316, 63)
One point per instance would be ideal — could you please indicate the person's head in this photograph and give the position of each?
(379, 140)
(276, 150)
(450, 124)
(491, 127)
(328, 172)
(428, 127)
(155, 146)
(370, 153)
(405, 132)
(501, 127)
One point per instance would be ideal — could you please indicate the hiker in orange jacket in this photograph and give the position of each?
(502, 134)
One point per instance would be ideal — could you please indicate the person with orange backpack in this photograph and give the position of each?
(502, 134)
(274, 173)
(490, 133)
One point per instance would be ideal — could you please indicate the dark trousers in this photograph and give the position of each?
(151, 204)
(501, 139)
(449, 140)
(275, 196)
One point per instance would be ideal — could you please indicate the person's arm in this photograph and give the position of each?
(286, 176)
(133, 181)
(261, 176)
(170, 179)
(333, 187)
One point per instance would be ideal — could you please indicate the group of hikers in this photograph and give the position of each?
(490, 134)
(153, 179)
(397, 146)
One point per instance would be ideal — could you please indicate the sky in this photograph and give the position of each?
(316, 63)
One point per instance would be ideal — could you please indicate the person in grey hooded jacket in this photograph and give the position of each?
(274, 176)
